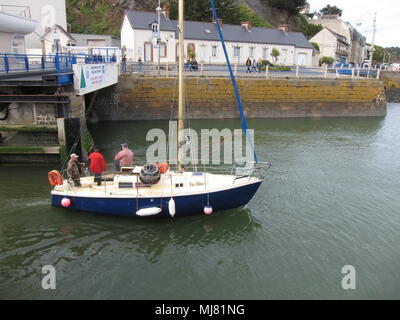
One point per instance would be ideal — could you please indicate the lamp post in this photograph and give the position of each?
(158, 10)
(372, 45)
(373, 40)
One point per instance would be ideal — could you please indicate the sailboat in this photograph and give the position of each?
(158, 191)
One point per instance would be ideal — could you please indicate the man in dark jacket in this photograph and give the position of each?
(75, 170)
(248, 65)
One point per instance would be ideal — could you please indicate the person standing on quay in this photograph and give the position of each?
(123, 64)
(124, 158)
(248, 65)
(97, 164)
(140, 62)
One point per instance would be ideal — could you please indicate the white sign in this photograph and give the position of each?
(92, 77)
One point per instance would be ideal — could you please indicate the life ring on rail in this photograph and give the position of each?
(55, 178)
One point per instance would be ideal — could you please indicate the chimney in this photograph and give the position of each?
(284, 28)
(219, 20)
(247, 25)
(165, 11)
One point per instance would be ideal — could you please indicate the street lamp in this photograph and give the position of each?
(159, 10)
(373, 41)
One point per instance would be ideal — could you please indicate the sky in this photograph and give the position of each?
(354, 11)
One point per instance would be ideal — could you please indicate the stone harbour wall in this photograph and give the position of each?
(140, 98)
(391, 80)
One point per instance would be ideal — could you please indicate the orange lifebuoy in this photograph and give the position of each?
(163, 167)
(55, 178)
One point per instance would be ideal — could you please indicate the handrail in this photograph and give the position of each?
(59, 62)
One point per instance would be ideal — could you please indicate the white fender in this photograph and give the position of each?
(148, 212)
(171, 207)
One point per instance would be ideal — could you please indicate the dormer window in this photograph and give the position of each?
(154, 27)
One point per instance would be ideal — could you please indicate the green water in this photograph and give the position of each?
(332, 198)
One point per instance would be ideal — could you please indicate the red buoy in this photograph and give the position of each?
(65, 202)
(208, 210)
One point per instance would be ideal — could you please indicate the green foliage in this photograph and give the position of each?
(308, 29)
(190, 53)
(326, 60)
(96, 17)
(88, 142)
(280, 68)
(275, 68)
(291, 6)
(379, 54)
(267, 63)
(315, 45)
(246, 14)
(199, 10)
(275, 53)
(393, 53)
(331, 10)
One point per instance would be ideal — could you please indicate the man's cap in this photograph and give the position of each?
(125, 145)
(74, 155)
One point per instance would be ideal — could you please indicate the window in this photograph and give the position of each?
(203, 51)
(236, 51)
(214, 51)
(265, 53)
(191, 51)
(163, 50)
(251, 52)
(154, 29)
(18, 44)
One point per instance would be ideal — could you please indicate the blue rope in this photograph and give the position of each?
(239, 102)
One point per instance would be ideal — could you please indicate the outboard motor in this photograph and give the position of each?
(150, 174)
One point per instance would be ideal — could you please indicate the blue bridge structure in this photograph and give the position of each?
(59, 65)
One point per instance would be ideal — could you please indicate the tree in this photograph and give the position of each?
(200, 10)
(379, 54)
(331, 10)
(291, 6)
(275, 53)
(315, 45)
(308, 29)
(326, 60)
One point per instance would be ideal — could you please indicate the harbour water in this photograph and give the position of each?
(331, 198)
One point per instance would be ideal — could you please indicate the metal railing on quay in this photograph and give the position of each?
(59, 62)
(269, 72)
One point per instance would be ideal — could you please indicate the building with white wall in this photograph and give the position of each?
(332, 44)
(57, 39)
(140, 30)
(355, 40)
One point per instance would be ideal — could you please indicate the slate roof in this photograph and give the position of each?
(61, 29)
(208, 31)
(338, 36)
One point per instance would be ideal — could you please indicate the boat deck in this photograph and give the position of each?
(171, 184)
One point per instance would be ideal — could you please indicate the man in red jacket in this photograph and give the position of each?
(97, 164)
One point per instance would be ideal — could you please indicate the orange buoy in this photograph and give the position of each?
(163, 167)
(55, 178)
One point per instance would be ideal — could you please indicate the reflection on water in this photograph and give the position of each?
(330, 198)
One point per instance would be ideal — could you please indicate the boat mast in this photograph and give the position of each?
(181, 138)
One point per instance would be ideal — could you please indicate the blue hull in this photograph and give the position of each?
(185, 205)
